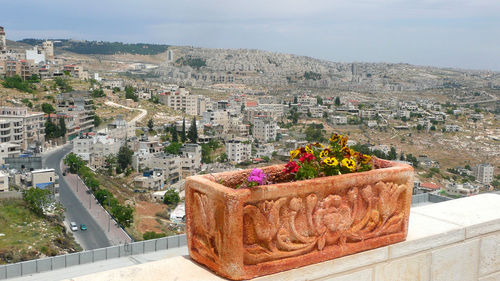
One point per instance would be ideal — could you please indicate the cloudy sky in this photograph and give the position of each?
(449, 33)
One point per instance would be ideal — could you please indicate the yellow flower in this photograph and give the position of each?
(331, 161)
(318, 145)
(343, 141)
(309, 149)
(349, 164)
(365, 159)
(294, 153)
(324, 153)
(335, 138)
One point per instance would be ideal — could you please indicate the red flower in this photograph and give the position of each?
(307, 157)
(291, 167)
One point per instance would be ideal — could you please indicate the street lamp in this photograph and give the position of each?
(109, 214)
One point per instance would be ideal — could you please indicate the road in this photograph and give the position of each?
(135, 119)
(94, 237)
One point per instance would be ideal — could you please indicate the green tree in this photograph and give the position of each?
(295, 100)
(98, 93)
(150, 124)
(47, 108)
(173, 148)
(319, 100)
(97, 120)
(183, 132)
(74, 162)
(171, 197)
(193, 132)
(393, 155)
(130, 93)
(51, 129)
(173, 132)
(124, 157)
(37, 199)
(62, 127)
(124, 214)
(222, 158)
(337, 101)
(206, 154)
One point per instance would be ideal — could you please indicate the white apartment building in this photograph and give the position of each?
(216, 118)
(95, 148)
(169, 164)
(264, 129)
(451, 128)
(238, 150)
(264, 150)
(182, 100)
(483, 173)
(368, 114)
(465, 189)
(45, 179)
(4, 182)
(339, 120)
(153, 180)
(80, 106)
(307, 100)
(8, 149)
(30, 133)
(191, 159)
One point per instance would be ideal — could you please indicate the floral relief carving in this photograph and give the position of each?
(292, 226)
(207, 237)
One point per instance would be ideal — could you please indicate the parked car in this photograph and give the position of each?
(73, 226)
(83, 227)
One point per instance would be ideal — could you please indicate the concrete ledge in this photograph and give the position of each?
(454, 240)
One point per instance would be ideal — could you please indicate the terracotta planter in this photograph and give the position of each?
(244, 233)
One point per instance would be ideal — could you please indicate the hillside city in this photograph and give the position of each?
(113, 130)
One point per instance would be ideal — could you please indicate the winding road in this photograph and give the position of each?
(136, 119)
(94, 237)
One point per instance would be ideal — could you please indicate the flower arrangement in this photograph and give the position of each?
(316, 160)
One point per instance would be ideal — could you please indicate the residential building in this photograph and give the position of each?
(48, 48)
(216, 118)
(80, 106)
(264, 129)
(182, 100)
(339, 119)
(191, 159)
(465, 189)
(3, 44)
(238, 150)
(4, 182)
(45, 179)
(264, 150)
(32, 127)
(35, 55)
(170, 165)
(23, 68)
(95, 148)
(152, 180)
(74, 70)
(8, 149)
(452, 128)
(483, 173)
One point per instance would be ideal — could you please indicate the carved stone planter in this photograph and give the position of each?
(244, 233)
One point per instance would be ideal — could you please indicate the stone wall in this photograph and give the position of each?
(454, 240)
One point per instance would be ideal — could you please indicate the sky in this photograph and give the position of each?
(444, 33)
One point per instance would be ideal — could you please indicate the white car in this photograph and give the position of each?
(73, 226)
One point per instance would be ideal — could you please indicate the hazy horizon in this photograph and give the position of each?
(452, 34)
